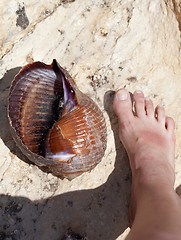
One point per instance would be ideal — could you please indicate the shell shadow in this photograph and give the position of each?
(100, 213)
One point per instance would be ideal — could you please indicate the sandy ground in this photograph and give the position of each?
(104, 45)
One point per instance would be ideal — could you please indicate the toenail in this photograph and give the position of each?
(138, 91)
(147, 99)
(122, 95)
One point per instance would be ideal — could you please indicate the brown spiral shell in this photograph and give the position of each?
(53, 122)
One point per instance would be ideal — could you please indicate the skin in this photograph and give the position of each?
(148, 137)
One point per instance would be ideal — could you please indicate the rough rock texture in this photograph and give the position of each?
(104, 45)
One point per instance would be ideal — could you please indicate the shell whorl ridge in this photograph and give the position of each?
(53, 123)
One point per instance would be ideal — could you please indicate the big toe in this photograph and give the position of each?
(123, 106)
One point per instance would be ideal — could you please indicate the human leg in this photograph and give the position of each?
(148, 137)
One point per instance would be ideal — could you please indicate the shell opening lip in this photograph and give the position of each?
(61, 156)
(70, 100)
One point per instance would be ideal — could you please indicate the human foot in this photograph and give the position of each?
(148, 137)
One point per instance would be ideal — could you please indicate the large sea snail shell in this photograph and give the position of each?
(53, 122)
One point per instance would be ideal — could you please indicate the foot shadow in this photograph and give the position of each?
(99, 214)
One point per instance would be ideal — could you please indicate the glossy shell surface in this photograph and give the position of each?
(53, 123)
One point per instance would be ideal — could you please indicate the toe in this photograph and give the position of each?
(149, 108)
(160, 113)
(169, 124)
(139, 101)
(123, 106)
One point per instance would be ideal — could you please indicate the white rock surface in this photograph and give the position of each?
(104, 45)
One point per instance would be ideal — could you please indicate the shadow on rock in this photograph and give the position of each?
(99, 214)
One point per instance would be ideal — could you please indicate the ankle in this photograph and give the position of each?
(145, 173)
(152, 186)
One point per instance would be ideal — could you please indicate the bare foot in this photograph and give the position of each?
(148, 137)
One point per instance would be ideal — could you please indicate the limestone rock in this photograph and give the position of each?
(104, 45)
